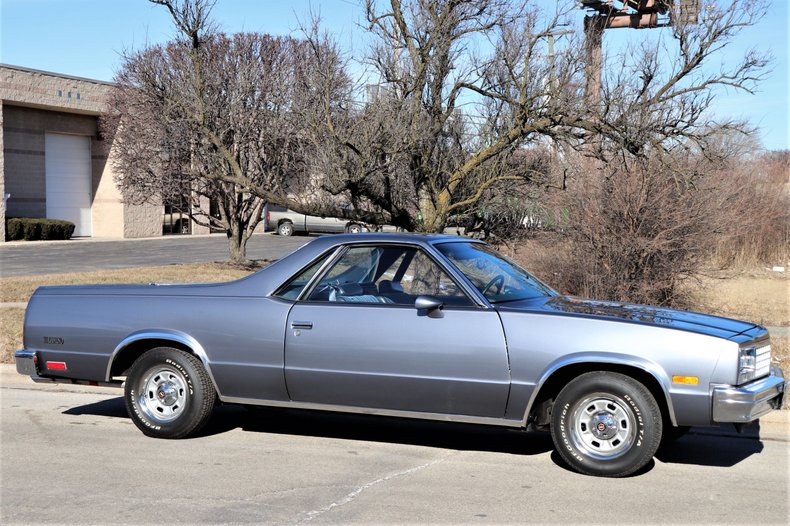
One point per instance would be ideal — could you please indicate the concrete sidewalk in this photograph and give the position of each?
(773, 426)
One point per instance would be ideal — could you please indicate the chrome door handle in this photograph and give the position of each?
(305, 325)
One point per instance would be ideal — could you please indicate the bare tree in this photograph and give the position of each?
(639, 228)
(659, 94)
(460, 85)
(214, 116)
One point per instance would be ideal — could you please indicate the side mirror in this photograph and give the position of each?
(430, 306)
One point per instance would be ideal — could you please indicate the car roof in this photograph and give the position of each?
(377, 237)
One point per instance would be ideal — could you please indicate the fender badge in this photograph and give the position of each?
(50, 340)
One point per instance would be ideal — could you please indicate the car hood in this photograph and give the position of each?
(633, 313)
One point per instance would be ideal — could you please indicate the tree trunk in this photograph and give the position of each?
(430, 220)
(237, 243)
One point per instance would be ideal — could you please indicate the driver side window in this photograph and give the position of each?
(386, 275)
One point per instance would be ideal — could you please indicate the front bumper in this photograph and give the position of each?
(751, 401)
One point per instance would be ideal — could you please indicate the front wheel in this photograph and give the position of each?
(354, 228)
(168, 393)
(606, 424)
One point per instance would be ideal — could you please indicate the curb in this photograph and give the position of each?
(13, 305)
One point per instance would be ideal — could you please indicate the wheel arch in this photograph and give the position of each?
(137, 343)
(559, 374)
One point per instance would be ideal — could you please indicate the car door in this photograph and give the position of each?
(325, 224)
(357, 339)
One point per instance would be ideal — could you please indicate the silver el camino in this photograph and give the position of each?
(432, 327)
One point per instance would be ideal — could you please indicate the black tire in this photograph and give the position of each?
(627, 424)
(354, 228)
(168, 393)
(286, 228)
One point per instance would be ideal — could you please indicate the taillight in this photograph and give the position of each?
(56, 366)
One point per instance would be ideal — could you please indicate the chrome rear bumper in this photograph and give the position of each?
(26, 362)
(751, 401)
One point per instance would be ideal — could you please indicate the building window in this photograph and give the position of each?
(68, 94)
(60, 93)
(78, 95)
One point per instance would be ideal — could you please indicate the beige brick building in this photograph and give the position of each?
(54, 162)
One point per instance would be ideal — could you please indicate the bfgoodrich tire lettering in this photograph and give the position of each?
(606, 424)
(168, 393)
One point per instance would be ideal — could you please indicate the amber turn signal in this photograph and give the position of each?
(688, 380)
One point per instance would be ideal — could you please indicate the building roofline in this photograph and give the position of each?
(54, 74)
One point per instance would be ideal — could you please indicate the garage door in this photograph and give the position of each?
(68, 169)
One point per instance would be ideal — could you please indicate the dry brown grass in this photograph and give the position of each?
(760, 296)
(19, 289)
(780, 348)
(10, 333)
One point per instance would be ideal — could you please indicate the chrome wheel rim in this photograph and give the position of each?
(163, 394)
(603, 426)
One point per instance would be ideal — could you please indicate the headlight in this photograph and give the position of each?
(754, 361)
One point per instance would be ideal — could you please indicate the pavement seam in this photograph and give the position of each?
(360, 489)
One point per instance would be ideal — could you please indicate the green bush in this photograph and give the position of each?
(34, 229)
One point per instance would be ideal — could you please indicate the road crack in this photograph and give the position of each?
(360, 489)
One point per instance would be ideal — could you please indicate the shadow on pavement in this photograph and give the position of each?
(379, 429)
(111, 407)
(720, 447)
(352, 427)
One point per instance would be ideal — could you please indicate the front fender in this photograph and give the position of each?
(592, 359)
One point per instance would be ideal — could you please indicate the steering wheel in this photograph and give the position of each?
(498, 280)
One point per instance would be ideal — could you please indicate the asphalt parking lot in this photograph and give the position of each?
(82, 255)
(71, 455)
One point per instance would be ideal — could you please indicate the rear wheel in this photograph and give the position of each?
(285, 229)
(168, 393)
(606, 424)
(354, 228)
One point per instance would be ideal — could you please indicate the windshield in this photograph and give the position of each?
(495, 276)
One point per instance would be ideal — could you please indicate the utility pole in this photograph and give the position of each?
(550, 39)
(634, 14)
